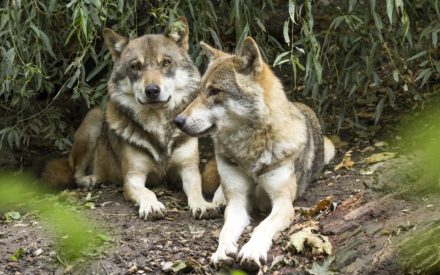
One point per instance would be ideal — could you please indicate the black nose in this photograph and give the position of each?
(152, 90)
(179, 121)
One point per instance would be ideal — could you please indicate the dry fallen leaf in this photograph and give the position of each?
(380, 157)
(306, 237)
(174, 267)
(320, 207)
(346, 162)
(197, 232)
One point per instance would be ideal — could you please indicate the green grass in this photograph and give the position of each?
(73, 233)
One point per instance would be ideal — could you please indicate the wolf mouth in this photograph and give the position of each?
(158, 102)
(206, 132)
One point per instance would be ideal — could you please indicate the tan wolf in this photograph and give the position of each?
(135, 141)
(267, 148)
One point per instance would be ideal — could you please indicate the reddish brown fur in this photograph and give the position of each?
(57, 174)
(210, 178)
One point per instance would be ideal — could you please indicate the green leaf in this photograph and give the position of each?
(44, 39)
(83, 22)
(399, 4)
(243, 36)
(376, 17)
(121, 6)
(214, 36)
(426, 76)
(286, 32)
(390, 10)
(7, 64)
(351, 5)
(280, 59)
(335, 23)
(17, 254)
(12, 215)
(96, 3)
(262, 27)
(292, 11)
(378, 111)
(420, 54)
(96, 70)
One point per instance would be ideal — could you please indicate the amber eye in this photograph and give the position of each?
(214, 91)
(136, 66)
(166, 62)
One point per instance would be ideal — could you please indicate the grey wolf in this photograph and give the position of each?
(135, 141)
(267, 148)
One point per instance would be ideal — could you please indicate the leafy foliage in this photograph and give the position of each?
(345, 55)
(371, 52)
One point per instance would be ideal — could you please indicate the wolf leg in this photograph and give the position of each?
(219, 198)
(186, 158)
(192, 186)
(99, 163)
(135, 168)
(84, 145)
(236, 186)
(149, 206)
(281, 187)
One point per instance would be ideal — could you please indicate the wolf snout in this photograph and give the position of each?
(179, 121)
(152, 91)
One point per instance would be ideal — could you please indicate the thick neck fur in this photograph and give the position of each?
(146, 126)
(263, 138)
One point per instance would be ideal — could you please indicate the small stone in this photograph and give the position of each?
(38, 252)
(133, 269)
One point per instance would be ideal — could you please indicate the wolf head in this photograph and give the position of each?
(233, 91)
(152, 70)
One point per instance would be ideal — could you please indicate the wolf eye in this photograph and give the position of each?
(136, 66)
(214, 91)
(166, 62)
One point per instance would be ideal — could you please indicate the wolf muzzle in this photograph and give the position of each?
(152, 91)
(179, 121)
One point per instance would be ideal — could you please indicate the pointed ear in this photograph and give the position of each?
(114, 42)
(179, 32)
(211, 52)
(248, 58)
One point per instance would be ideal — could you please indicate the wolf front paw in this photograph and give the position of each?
(88, 182)
(151, 210)
(252, 256)
(224, 256)
(204, 210)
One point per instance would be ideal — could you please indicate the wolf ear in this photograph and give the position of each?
(248, 58)
(114, 42)
(179, 32)
(211, 52)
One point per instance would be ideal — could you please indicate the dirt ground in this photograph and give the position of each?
(363, 214)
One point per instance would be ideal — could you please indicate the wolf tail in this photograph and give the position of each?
(58, 174)
(210, 178)
(329, 150)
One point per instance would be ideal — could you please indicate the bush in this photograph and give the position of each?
(363, 53)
